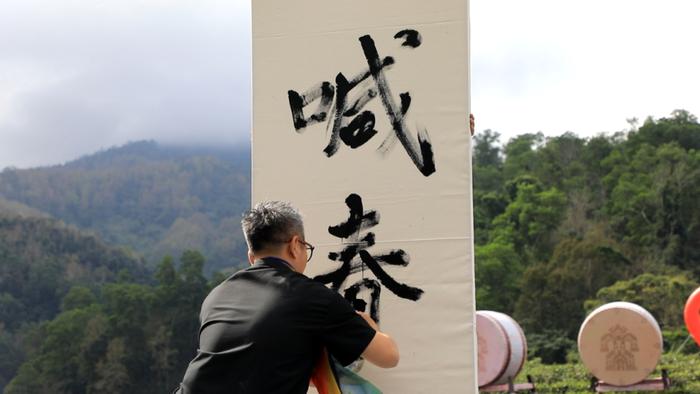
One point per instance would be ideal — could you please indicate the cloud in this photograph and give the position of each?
(80, 75)
(76, 76)
(581, 66)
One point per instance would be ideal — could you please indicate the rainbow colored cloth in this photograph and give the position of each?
(330, 377)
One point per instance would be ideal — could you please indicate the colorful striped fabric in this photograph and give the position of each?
(330, 377)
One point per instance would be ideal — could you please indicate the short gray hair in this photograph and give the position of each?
(270, 223)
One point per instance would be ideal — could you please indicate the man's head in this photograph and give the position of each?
(275, 228)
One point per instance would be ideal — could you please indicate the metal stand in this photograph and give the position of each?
(658, 384)
(510, 387)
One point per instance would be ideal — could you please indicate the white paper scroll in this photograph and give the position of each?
(360, 119)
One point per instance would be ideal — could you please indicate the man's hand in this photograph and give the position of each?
(472, 124)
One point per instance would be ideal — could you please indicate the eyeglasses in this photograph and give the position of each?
(310, 249)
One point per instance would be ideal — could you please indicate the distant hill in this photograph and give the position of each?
(14, 208)
(155, 199)
(41, 258)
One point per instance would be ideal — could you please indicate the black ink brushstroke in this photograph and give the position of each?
(394, 257)
(412, 38)
(296, 105)
(359, 304)
(347, 228)
(426, 150)
(356, 264)
(350, 263)
(335, 278)
(343, 88)
(359, 131)
(400, 289)
(420, 152)
(405, 102)
(357, 220)
(341, 92)
(297, 102)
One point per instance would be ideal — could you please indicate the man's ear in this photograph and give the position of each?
(251, 257)
(292, 247)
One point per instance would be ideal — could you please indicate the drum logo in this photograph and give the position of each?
(620, 347)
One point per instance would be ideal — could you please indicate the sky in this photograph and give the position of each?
(77, 76)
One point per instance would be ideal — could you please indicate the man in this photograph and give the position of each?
(263, 329)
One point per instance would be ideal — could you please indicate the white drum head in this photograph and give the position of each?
(620, 343)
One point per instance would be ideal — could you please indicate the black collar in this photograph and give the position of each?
(273, 262)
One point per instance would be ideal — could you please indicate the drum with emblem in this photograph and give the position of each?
(620, 343)
(502, 348)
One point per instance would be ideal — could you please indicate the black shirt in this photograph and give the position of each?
(263, 328)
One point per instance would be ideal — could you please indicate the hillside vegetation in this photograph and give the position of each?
(120, 337)
(562, 225)
(153, 199)
(40, 261)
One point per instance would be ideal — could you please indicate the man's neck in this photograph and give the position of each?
(280, 259)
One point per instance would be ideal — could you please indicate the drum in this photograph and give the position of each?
(620, 343)
(691, 315)
(502, 348)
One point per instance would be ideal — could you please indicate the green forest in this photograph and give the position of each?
(566, 224)
(104, 261)
(154, 199)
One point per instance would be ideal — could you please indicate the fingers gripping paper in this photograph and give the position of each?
(360, 119)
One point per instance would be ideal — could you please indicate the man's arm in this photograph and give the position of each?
(382, 350)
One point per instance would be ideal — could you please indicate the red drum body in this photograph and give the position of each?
(691, 315)
(502, 348)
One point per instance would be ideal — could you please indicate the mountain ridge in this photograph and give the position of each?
(155, 199)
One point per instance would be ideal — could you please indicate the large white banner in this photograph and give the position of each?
(360, 119)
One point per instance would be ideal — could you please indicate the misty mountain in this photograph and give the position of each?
(157, 200)
(41, 258)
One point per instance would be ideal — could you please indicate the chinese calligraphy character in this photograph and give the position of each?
(350, 123)
(355, 258)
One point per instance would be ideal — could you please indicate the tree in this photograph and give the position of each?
(28, 380)
(10, 353)
(192, 288)
(529, 221)
(553, 293)
(487, 206)
(487, 152)
(12, 311)
(165, 273)
(78, 297)
(521, 155)
(559, 162)
(129, 310)
(681, 127)
(112, 376)
(154, 199)
(497, 277)
(60, 366)
(652, 204)
(132, 338)
(489, 198)
(164, 358)
(663, 296)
